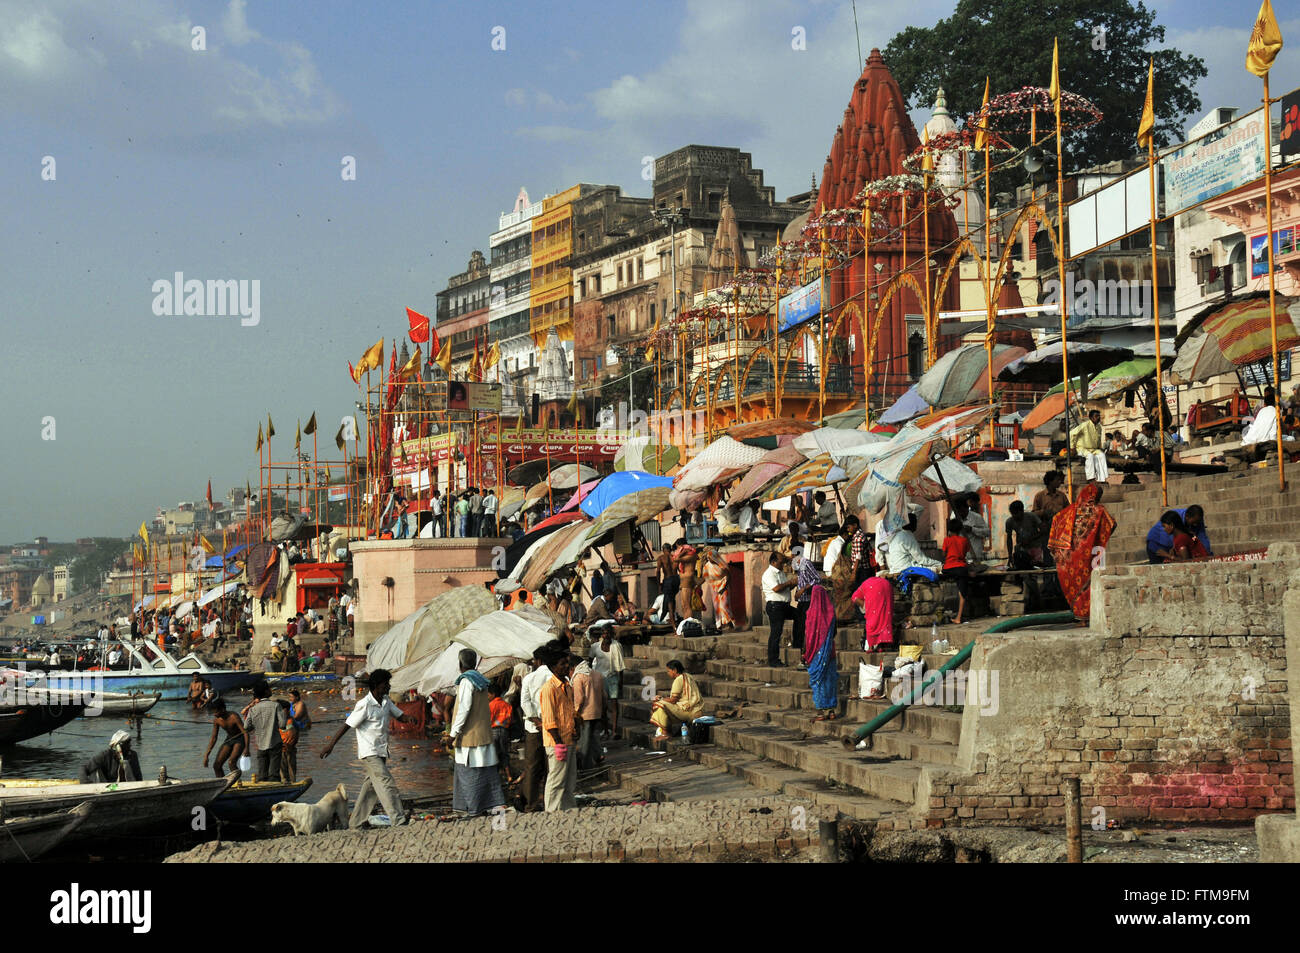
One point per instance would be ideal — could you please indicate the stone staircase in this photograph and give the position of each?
(1243, 509)
(774, 745)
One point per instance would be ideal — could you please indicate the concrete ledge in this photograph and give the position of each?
(1279, 838)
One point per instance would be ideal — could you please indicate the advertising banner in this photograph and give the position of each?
(800, 305)
(1219, 162)
(472, 395)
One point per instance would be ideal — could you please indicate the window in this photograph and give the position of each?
(640, 270)
(596, 281)
(915, 355)
(620, 272)
(609, 322)
(1203, 264)
(652, 314)
(715, 201)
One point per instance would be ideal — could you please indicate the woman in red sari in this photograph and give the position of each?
(1077, 531)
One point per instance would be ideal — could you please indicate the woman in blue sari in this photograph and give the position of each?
(819, 654)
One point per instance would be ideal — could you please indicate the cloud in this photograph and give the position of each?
(130, 72)
(520, 98)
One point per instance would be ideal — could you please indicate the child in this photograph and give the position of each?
(956, 556)
(502, 713)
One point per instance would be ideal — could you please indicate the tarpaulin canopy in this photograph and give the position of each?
(1044, 364)
(722, 457)
(1199, 359)
(905, 408)
(430, 627)
(773, 465)
(769, 427)
(643, 453)
(212, 595)
(580, 495)
(537, 564)
(618, 485)
(569, 476)
(830, 439)
(953, 377)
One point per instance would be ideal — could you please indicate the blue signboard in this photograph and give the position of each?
(800, 305)
(1261, 374)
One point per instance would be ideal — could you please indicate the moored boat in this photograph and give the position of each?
(22, 722)
(123, 703)
(118, 806)
(149, 669)
(26, 838)
(247, 801)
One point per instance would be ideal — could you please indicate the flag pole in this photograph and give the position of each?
(1065, 304)
(991, 317)
(1155, 298)
(1272, 290)
(821, 317)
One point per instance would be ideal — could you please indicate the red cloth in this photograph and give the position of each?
(817, 624)
(955, 550)
(877, 596)
(1078, 530)
(501, 712)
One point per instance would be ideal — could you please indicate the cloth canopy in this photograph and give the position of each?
(500, 638)
(905, 408)
(618, 485)
(430, 627)
(212, 595)
(956, 376)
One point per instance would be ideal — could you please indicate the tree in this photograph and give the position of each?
(1104, 46)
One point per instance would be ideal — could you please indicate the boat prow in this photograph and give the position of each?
(27, 838)
(119, 806)
(245, 802)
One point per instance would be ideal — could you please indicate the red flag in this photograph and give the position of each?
(352, 373)
(419, 326)
(209, 494)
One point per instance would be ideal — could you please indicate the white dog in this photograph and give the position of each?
(329, 811)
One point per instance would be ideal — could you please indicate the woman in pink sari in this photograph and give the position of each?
(715, 574)
(876, 597)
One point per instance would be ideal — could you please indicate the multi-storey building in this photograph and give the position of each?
(510, 302)
(463, 313)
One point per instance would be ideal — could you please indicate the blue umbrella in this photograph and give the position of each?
(618, 485)
(905, 408)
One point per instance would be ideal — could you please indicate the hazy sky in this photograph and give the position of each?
(225, 163)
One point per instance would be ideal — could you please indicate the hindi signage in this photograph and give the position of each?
(800, 305)
(1218, 162)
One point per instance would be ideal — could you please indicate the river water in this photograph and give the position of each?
(174, 735)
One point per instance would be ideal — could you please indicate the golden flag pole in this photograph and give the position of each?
(991, 317)
(1272, 290)
(1060, 228)
(866, 310)
(821, 318)
(1146, 130)
(931, 326)
(776, 335)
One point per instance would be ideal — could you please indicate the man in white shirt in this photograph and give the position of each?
(901, 551)
(834, 548)
(826, 514)
(439, 519)
(776, 597)
(489, 514)
(476, 785)
(1263, 429)
(530, 706)
(370, 719)
(607, 658)
(977, 529)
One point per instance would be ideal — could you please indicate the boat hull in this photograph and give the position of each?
(116, 807)
(23, 722)
(173, 686)
(120, 703)
(246, 802)
(26, 838)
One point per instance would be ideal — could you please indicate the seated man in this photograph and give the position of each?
(826, 518)
(1030, 538)
(727, 517)
(683, 704)
(901, 551)
(1159, 539)
(1263, 429)
(602, 608)
(117, 762)
(1085, 440)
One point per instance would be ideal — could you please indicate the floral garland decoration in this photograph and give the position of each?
(1011, 112)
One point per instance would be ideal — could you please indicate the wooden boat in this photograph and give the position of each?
(299, 678)
(119, 806)
(22, 722)
(247, 801)
(26, 838)
(122, 703)
(149, 669)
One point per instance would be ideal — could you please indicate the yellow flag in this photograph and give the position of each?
(144, 533)
(927, 159)
(493, 355)
(1265, 41)
(311, 425)
(1148, 124)
(297, 437)
(139, 556)
(519, 425)
(270, 427)
(258, 449)
(981, 134)
(573, 402)
(1055, 90)
(207, 546)
(411, 369)
(372, 359)
(338, 440)
(443, 359)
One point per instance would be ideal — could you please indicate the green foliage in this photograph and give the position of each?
(87, 568)
(1010, 41)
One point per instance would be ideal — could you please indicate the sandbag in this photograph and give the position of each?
(871, 680)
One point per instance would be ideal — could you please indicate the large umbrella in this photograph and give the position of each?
(618, 485)
(581, 495)
(830, 439)
(642, 453)
(1243, 330)
(569, 476)
(530, 471)
(1046, 410)
(640, 505)
(1199, 359)
(775, 464)
(816, 473)
(946, 477)
(1043, 366)
(538, 565)
(725, 457)
(953, 377)
(1121, 377)
(905, 408)
(912, 450)
(770, 427)
(512, 501)
(845, 419)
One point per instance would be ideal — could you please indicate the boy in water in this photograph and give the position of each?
(236, 742)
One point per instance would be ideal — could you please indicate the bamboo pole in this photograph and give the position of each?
(776, 335)
(1065, 303)
(991, 320)
(866, 310)
(1155, 307)
(821, 318)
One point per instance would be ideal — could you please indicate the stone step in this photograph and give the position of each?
(887, 777)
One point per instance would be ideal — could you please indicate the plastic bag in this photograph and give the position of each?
(871, 680)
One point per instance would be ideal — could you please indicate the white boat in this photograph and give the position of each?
(124, 703)
(118, 806)
(149, 669)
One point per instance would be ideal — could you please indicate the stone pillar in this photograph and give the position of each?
(1278, 835)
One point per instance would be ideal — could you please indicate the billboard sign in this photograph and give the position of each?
(469, 395)
(1219, 162)
(800, 305)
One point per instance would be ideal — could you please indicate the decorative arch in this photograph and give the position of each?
(804, 332)
(1005, 259)
(891, 288)
(954, 263)
(764, 352)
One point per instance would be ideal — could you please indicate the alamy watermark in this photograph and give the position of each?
(978, 687)
(19, 687)
(215, 297)
(1103, 298)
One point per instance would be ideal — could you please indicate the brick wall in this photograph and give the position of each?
(1176, 712)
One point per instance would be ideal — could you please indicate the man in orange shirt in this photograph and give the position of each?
(559, 733)
(501, 713)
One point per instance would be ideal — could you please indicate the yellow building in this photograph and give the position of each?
(550, 296)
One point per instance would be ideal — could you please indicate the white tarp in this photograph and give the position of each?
(500, 638)
(429, 628)
(212, 595)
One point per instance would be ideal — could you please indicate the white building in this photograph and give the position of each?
(511, 266)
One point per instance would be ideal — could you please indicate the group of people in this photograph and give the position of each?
(471, 512)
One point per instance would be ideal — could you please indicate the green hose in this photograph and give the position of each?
(1006, 625)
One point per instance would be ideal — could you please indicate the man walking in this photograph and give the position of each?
(370, 719)
(559, 734)
(439, 515)
(476, 784)
(263, 720)
(475, 512)
(530, 692)
(489, 514)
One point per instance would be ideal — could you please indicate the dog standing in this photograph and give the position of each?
(330, 811)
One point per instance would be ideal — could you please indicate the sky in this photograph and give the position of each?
(130, 155)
